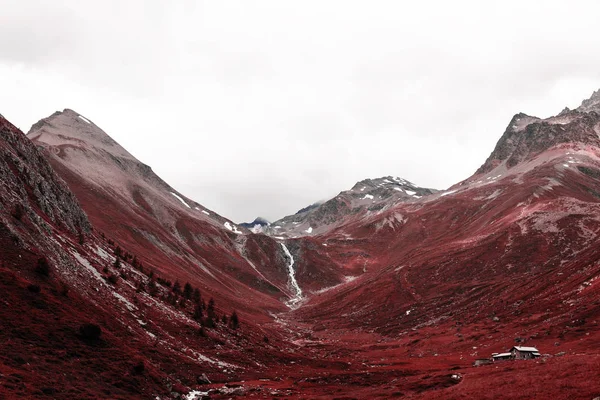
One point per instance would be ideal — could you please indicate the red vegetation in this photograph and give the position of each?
(399, 302)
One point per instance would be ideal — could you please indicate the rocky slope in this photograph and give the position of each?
(169, 233)
(510, 255)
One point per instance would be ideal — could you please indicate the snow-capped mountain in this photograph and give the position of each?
(367, 197)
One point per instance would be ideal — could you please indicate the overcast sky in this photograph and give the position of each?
(263, 107)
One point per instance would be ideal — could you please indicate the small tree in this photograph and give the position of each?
(196, 296)
(90, 331)
(188, 291)
(234, 322)
(177, 287)
(198, 314)
(209, 322)
(117, 263)
(210, 310)
(224, 319)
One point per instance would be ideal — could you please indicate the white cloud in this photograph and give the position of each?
(260, 108)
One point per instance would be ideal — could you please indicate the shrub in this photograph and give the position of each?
(266, 339)
(42, 267)
(112, 278)
(64, 290)
(34, 288)
(139, 367)
(90, 331)
(117, 263)
(152, 288)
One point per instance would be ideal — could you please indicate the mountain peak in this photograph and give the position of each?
(528, 136)
(591, 104)
(70, 128)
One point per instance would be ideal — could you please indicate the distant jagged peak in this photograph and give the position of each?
(68, 127)
(591, 104)
(310, 207)
(257, 221)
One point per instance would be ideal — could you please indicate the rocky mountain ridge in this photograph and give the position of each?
(366, 197)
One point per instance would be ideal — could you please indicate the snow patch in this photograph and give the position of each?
(88, 266)
(368, 196)
(181, 200)
(448, 192)
(309, 230)
(122, 299)
(85, 119)
(103, 254)
(232, 227)
(195, 395)
(411, 192)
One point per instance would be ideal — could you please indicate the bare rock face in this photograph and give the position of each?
(366, 196)
(527, 136)
(30, 182)
(591, 104)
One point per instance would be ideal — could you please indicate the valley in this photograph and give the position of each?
(388, 290)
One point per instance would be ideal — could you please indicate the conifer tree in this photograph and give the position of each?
(177, 287)
(234, 322)
(188, 291)
(196, 296)
(198, 314)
